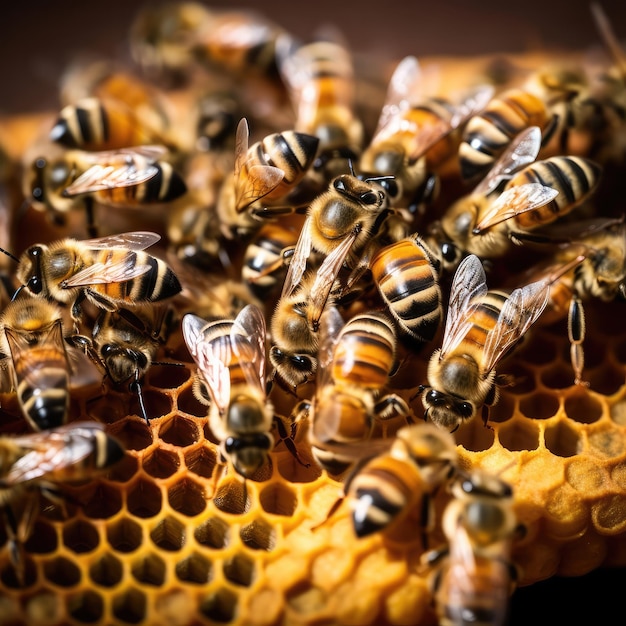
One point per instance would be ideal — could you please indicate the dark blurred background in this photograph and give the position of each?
(38, 38)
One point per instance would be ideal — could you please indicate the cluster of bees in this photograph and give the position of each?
(328, 250)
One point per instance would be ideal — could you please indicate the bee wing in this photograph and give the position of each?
(297, 265)
(515, 201)
(255, 182)
(241, 144)
(469, 282)
(519, 312)
(325, 277)
(331, 323)
(102, 157)
(136, 240)
(52, 450)
(106, 273)
(100, 177)
(211, 357)
(520, 152)
(248, 338)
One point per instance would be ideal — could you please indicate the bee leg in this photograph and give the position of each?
(491, 399)
(77, 311)
(288, 439)
(135, 387)
(576, 328)
(92, 229)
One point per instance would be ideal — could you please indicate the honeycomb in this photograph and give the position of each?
(170, 536)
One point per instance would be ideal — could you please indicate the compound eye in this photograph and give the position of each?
(390, 186)
(466, 409)
(302, 363)
(369, 198)
(339, 184)
(449, 252)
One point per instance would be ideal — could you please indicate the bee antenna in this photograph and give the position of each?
(16, 293)
(11, 256)
(351, 165)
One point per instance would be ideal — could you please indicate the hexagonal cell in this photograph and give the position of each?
(124, 535)
(86, 607)
(539, 405)
(43, 539)
(522, 377)
(214, 533)
(606, 379)
(107, 571)
(519, 435)
(144, 499)
(188, 403)
(168, 534)
(187, 497)
(80, 536)
(279, 499)
(168, 375)
(608, 443)
(44, 607)
(161, 463)
(62, 572)
(473, 435)
(562, 439)
(130, 606)
(617, 412)
(100, 500)
(259, 535)
(232, 497)
(156, 404)
(133, 432)
(583, 407)
(179, 431)
(220, 606)
(201, 461)
(504, 409)
(530, 353)
(294, 472)
(108, 408)
(584, 475)
(149, 569)
(124, 470)
(558, 376)
(239, 569)
(194, 569)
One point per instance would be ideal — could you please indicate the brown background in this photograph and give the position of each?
(39, 38)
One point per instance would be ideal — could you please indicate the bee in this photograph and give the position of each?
(99, 124)
(486, 221)
(264, 175)
(487, 134)
(481, 328)
(266, 258)
(32, 338)
(591, 266)
(107, 271)
(473, 575)
(320, 81)
(356, 361)
(406, 276)
(415, 133)
(126, 178)
(395, 484)
(43, 462)
(341, 226)
(173, 38)
(230, 356)
(125, 343)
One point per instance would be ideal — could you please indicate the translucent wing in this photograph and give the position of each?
(331, 323)
(297, 265)
(515, 201)
(469, 283)
(52, 451)
(520, 152)
(248, 338)
(519, 312)
(101, 177)
(136, 240)
(212, 355)
(106, 273)
(254, 182)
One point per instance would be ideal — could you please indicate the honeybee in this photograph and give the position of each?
(98, 124)
(486, 221)
(341, 225)
(230, 356)
(175, 37)
(591, 266)
(401, 482)
(406, 276)
(125, 178)
(473, 576)
(264, 175)
(126, 342)
(415, 133)
(31, 337)
(107, 271)
(266, 258)
(356, 360)
(45, 461)
(481, 328)
(320, 81)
